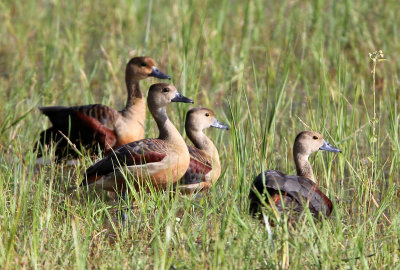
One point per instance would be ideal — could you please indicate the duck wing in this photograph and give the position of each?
(86, 125)
(135, 153)
(295, 190)
(200, 165)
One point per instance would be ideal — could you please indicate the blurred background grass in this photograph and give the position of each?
(268, 68)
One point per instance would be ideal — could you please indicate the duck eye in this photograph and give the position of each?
(315, 137)
(207, 114)
(165, 90)
(143, 64)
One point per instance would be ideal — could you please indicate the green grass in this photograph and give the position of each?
(268, 68)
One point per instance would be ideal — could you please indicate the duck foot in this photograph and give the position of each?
(124, 215)
(123, 212)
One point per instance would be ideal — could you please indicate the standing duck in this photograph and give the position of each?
(162, 161)
(204, 168)
(90, 125)
(295, 191)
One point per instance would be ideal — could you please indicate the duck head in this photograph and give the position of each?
(308, 142)
(140, 68)
(201, 118)
(162, 94)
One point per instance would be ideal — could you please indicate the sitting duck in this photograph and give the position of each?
(204, 168)
(161, 161)
(294, 192)
(96, 124)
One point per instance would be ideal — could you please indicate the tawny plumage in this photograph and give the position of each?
(161, 161)
(293, 193)
(204, 168)
(93, 125)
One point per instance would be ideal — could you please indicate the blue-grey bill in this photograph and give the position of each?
(181, 98)
(328, 147)
(158, 74)
(218, 124)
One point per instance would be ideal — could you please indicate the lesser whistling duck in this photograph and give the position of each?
(295, 191)
(90, 125)
(204, 168)
(162, 161)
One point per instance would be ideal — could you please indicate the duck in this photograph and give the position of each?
(294, 192)
(97, 124)
(162, 160)
(204, 167)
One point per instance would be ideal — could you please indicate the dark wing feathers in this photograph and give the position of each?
(200, 156)
(84, 125)
(104, 114)
(200, 164)
(135, 153)
(299, 189)
(58, 115)
(328, 206)
(103, 135)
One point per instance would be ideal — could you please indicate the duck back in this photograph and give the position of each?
(289, 192)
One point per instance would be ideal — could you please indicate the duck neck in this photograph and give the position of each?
(303, 166)
(167, 130)
(202, 142)
(135, 96)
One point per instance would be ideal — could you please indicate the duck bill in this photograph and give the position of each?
(328, 147)
(181, 98)
(158, 74)
(218, 124)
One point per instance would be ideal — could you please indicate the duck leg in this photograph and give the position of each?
(123, 214)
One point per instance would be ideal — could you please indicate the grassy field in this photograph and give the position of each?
(269, 69)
